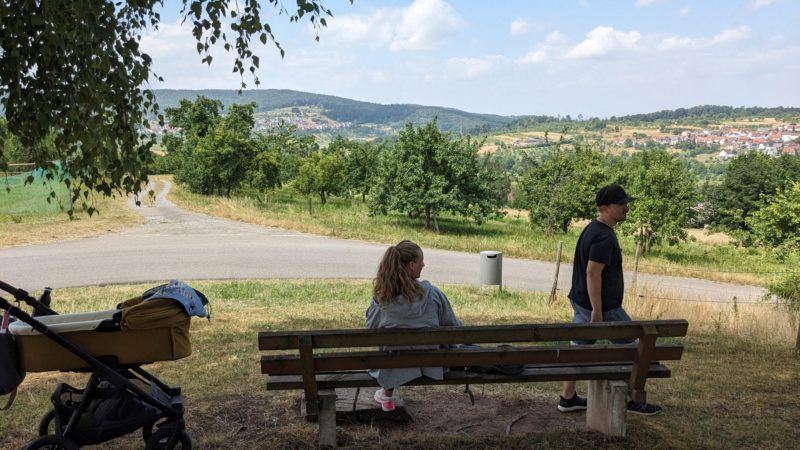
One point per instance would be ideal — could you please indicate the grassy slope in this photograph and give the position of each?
(512, 236)
(730, 390)
(27, 218)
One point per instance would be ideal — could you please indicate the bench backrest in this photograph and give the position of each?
(355, 357)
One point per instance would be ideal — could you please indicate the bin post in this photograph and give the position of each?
(492, 268)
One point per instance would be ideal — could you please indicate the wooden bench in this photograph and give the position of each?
(321, 361)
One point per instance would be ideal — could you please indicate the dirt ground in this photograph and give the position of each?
(447, 410)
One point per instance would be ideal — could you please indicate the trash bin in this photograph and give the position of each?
(491, 268)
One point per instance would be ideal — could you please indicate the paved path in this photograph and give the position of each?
(175, 243)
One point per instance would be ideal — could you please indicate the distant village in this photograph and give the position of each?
(781, 139)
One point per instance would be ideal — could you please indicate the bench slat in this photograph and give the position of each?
(532, 374)
(323, 362)
(273, 340)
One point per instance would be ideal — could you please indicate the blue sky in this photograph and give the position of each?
(516, 57)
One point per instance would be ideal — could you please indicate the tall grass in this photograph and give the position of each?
(349, 219)
(732, 389)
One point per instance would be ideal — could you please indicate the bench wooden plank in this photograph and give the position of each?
(290, 364)
(284, 340)
(530, 374)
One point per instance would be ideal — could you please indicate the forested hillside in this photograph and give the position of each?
(341, 109)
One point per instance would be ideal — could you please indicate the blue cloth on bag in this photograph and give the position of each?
(192, 300)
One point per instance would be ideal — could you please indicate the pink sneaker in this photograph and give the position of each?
(387, 403)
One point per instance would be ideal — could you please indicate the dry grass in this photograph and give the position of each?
(40, 228)
(731, 389)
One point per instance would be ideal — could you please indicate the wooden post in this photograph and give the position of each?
(641, 366)
(555, 278)
(636, 266)
(606, 406)
(309, 377)
(797, 344)
(327, 418)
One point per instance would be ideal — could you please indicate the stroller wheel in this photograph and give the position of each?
(50, 418)
(159, 440)
(51, 442)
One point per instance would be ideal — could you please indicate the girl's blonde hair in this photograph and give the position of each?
(393, 277)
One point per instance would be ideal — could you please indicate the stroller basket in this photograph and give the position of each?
(140, 333)
(113, 411)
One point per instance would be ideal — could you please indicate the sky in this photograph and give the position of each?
(516, 57)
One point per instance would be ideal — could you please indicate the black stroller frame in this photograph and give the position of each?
(165, 403)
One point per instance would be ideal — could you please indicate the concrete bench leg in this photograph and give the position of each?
(327, 418)
(606, 407)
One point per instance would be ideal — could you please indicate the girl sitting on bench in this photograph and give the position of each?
(400, 300)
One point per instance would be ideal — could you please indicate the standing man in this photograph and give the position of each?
(597, 283)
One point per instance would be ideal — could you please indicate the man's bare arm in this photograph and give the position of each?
(594, 284)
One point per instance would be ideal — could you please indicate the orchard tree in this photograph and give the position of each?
(561, 185)
(427, 172)
(76, 69)
(219, 161)
(361, 163)
(776, 221)
(665, 194)
(746, 179)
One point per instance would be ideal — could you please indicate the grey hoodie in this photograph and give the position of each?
(433, 310)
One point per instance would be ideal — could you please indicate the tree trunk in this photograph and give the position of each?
(363, 197)
(435, 222)
(322, 198)
(310, 207)
(427, 216)
(549, 230)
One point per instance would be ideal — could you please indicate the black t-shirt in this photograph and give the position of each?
(598, 243)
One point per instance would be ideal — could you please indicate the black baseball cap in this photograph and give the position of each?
(612, 194)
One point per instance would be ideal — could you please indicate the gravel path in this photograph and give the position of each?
(175, 243)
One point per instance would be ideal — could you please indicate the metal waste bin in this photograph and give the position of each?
(491, 268)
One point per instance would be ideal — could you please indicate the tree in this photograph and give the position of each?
(665, 191)
(561, 185)
(427, 172)
(217, 151)
(776, 221)
(747, 177)
(76, 69)
(361, 162)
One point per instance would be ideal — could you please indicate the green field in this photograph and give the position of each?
(732, 389)
(27, 218)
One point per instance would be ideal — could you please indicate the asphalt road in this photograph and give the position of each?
(175, 243)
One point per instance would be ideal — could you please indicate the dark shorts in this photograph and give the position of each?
(583, 315)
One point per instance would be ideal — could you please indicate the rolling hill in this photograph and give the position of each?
(342, 109)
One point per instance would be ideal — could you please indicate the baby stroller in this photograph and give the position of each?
(119, 397)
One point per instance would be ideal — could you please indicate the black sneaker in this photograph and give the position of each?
(573, 404)
(645, 409)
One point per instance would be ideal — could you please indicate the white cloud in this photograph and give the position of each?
(519, 27)
(472, 67)
(685, 11)
(758, 4)
(375, 30)
(725, 37)
(424, 24)
(731, 35)
(555, 38)
(645, 3)
(604, 40)
(535, 57)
